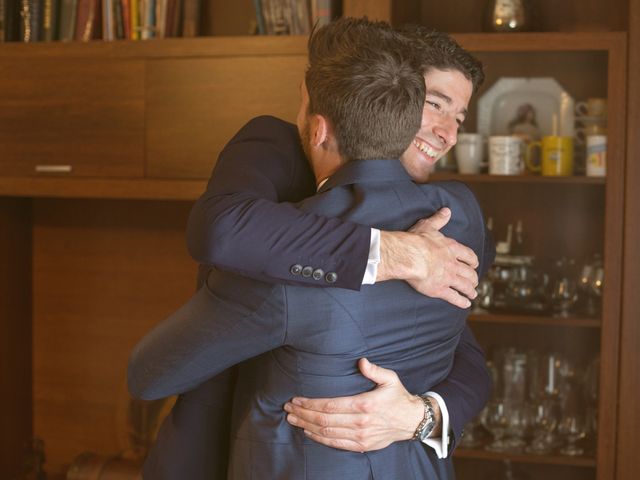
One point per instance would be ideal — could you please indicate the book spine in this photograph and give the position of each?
(134, 19)
(3, 13)
(191, 18)
(257, 4)
(117, 19)
(107, 20)
(50, 20)
(67, 20)
(85, 20)
(161, 18)
(126, 19)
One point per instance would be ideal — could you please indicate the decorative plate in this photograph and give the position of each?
(526, 106)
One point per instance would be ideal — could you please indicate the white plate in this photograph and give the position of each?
(500, 105)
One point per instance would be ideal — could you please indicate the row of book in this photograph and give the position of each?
(85, 20)
(293, 17)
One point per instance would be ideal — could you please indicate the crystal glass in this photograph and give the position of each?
(573, 424)
(544, 416)
(495, 420)
(564, 296)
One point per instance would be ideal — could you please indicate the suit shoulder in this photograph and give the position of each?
(453, 189)
(266, 127)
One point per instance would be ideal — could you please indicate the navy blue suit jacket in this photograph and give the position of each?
(184, 438)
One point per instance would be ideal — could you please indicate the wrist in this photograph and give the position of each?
(394, 261)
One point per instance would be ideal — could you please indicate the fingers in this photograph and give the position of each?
(454, 298)
(339, 443)
(379, 375)
(328, 425)
(464, 254)
(435, 221)
(338, 405)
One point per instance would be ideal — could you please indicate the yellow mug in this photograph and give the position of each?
(556, 156)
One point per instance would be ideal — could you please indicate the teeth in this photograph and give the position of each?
(425, 149)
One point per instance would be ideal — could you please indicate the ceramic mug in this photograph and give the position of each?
(506, 155)
(592, 107)
(556, 156)
(469, 152)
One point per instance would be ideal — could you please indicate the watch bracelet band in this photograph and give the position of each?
(429, 416)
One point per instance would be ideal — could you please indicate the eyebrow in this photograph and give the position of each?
(446, 98)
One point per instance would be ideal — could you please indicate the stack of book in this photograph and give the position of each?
(85, 20)
(293, 17)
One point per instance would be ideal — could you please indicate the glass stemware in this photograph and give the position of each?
(544, 417)
(564, 296)
(495, 420)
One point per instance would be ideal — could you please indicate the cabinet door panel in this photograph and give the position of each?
(194, 106)
(81, 118)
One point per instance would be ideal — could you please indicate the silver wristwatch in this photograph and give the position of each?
(428, 423)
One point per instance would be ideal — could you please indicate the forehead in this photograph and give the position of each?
(449, 83)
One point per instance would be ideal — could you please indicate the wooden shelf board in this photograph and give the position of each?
(141, 189)
(484, 178)
(161, 48)
(297, 45)
(535, 320)
(524, 458)
(540, 41)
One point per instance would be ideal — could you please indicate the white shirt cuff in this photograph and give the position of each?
(440, 444)
(371, 273)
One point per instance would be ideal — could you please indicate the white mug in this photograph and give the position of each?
(506, 155)
(469, 152)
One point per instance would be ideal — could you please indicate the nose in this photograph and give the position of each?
(447, 130)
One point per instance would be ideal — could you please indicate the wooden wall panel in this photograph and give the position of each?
(194, 106)
(104, 273)
(86, 114)
(15, 333)
(629, 413)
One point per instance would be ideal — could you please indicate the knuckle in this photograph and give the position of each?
(323, 421)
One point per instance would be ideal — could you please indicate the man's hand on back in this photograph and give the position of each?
(435, 265)
(365, 422)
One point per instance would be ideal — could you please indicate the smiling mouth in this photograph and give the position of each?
(426, 149)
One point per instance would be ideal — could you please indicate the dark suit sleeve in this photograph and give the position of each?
(229, 319)
(467, 388)
(245, 223)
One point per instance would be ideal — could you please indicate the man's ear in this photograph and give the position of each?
(319, 130)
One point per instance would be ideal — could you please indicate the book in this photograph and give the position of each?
(300, 18)
(172, 23)
(67, 20)
(190, 18)
(118, 20)
(322, 12)
(257, 4)
(12, 20)
(30, 20)
(134, 19)
(50, 20)
(108, 29)
(85, 20)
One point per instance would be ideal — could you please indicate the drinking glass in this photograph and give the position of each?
(564, 296)
(495, 421)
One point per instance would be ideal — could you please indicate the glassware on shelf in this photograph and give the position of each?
(544, 416)
(564, 296)
(573, 424)
(494, 419)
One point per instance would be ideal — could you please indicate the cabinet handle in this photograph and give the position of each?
(53, 168)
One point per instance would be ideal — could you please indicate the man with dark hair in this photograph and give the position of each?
(322, 333)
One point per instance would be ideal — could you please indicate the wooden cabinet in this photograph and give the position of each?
(97, 253)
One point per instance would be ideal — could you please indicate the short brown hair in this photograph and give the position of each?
(363, 78)
(435, 49)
